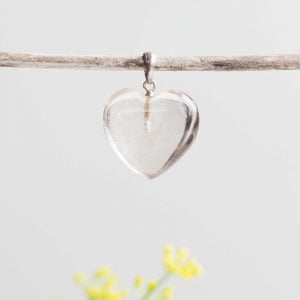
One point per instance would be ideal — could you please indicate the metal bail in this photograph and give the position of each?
(149, 59)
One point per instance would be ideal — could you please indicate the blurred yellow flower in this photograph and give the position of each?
(80, 278)
(152, 285)
(138, 281)
(166, 293)
(93, 292)
(101, 290)
(98, 293)
(102, 284)
(105, 291)
(103, 272)
(180, 263)
(167, 249)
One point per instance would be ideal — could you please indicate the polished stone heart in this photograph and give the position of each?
(150, 133)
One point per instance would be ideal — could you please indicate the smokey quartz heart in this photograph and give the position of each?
(150, 133)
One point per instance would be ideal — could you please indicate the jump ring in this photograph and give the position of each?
(149, 86)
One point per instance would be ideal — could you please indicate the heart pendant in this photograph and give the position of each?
(150, 132)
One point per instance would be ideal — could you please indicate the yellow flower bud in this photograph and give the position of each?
(152, 285)
(80, 278)
(182, 253)
(168, 249)
(168, 292)
(103, 272)
(180, 263)
(138, 281)
(110, 282)
(93, 293)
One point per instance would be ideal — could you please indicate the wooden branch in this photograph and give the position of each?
(163, 63)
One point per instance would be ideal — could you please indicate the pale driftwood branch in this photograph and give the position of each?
(194, 63)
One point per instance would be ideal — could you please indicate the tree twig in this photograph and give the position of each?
(163, 63)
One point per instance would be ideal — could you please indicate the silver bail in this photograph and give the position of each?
(149, 59)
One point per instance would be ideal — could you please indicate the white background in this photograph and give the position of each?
(68, 204)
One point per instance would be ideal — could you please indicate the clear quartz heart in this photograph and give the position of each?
(150, 133)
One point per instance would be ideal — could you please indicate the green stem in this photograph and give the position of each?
(160, 282)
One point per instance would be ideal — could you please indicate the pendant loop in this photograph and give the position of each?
(149, 59)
